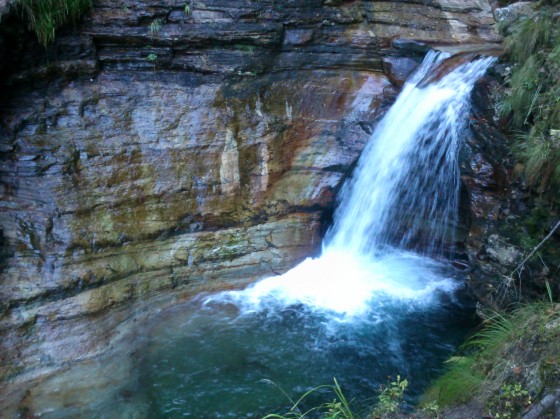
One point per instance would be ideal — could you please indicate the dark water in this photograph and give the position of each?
(211, 361)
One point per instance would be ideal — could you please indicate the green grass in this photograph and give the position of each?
(459, 383)
(339, 407)
(497, 330)
(532, 96)
(507, 352)
(155, 27)
(44, 17)
(525, 86)
(389, 403)
(532, 34)
(541, 157)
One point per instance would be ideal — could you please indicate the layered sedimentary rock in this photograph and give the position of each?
(160, 149)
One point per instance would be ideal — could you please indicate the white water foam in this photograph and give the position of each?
(407, 177)
(344, 284)
(405, 190)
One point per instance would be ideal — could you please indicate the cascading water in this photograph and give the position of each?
(372, 305)
(405, 191)
(406, 186)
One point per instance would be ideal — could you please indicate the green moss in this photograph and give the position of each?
(45, 16)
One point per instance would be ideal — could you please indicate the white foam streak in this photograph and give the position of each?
(342, 283)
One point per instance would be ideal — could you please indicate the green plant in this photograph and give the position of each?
(155, 27)
(187, 9)
(339, 407)
(152, 57)
(498, 329)
(430, 410)
(510, 347)
(549, 291)
(459, 383)
(509, 402)
(45, 16)
(532, 34)
(532, 98)
(541, 154)
(390, 398)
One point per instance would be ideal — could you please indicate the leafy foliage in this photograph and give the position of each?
(45, 16)
(509, 402)
(532, 99)
(391, 398)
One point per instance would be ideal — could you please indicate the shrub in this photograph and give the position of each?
(390, 398)
(509, 402)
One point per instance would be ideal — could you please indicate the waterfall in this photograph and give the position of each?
(401, 203)
(373, 304)
(405, 190)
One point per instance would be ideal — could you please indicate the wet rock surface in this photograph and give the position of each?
(157, 150)
(507, 219)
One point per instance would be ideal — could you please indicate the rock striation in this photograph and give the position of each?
(162, 149)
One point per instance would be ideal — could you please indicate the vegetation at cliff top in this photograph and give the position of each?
(45, 16)
(532, 99)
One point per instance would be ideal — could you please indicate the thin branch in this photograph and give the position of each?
(520, 266)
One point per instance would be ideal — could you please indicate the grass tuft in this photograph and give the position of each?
(541, 156)
(532, 34)
(339, 407)
(506, 353)
(532, 99)
(45, 16)
(459, 383)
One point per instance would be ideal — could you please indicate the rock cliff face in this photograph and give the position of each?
(160, 149)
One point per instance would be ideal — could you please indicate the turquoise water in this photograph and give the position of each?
(210, 360)
(366, 310)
